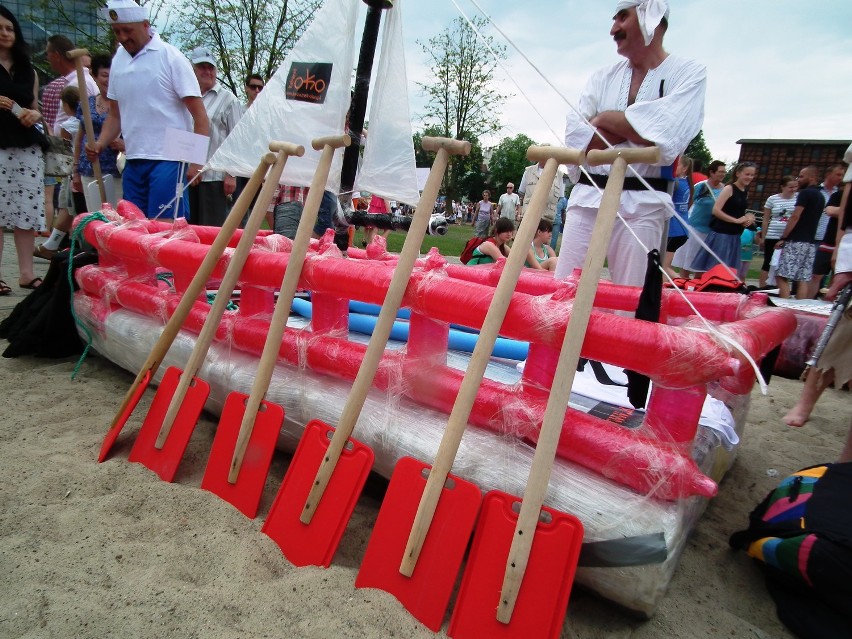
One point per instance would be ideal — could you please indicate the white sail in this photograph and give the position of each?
(388, 167)
(308, 97)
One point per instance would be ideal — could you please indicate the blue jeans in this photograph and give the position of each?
(151, 185)
(557, 229)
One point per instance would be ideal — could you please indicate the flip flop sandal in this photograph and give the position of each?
(4, 289)
(33, 284)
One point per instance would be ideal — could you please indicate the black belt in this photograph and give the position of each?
(630, 183)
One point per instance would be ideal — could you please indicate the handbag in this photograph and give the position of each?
(58, 157)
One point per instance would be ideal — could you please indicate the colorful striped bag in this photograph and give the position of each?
(802, 534)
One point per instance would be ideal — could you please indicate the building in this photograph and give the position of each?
(777, 158)
(75, 19)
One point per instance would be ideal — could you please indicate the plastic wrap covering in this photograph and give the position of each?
(394, 427)
(632, 477)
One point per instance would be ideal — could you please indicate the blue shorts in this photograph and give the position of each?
(151, 185)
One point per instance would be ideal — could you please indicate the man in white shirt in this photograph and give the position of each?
(529, 182)
(508, 203)
(650, 98)
(151, 88)
(208, 200)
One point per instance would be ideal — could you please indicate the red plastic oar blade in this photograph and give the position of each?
(314, 544)
(543, 598)
(121, 419)
(426, 593)
(245, 493)
(165, 461)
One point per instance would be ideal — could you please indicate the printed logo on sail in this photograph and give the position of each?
(308, 81)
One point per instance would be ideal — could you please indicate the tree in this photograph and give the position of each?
(82, 23)
(508, 162)
(463, 102)
(697, 150)
(246, 36)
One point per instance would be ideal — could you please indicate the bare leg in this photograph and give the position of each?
(840, 280)
(667, 264)
(24, 244)
(783, 286)
(815, 384)
(846, 453)
(48, 206)
(764, 275)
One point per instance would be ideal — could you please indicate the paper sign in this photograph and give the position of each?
(184, 146)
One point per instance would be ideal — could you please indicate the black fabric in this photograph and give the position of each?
(735, 206)
(812, 202)
(19, 87)
(630, 183)
(649, 310)
(42, 323)
(804, 611)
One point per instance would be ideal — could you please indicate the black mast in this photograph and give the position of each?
(358, 108)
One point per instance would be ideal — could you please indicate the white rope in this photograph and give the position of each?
(709, 327)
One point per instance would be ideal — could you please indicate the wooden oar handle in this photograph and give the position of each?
(387, 315)
(472, 380)
(198, 283)
(73, 54)
(563, 379)
(226, 288)
(295, 150)
(639, 155)
(278, 323)
(334, 141)
(450, 145)
(559, 153)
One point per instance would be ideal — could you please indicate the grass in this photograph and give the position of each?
(457, 236)
(450, 244)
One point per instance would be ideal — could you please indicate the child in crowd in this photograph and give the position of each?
(746, 253)
(541, 256)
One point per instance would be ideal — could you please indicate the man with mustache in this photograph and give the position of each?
(650, 98)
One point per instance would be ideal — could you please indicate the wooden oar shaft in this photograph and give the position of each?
(387, 315)
(472, 380)
(196, 286)
(563, 379)
(77, 56)
(223, 295)
(290, 282)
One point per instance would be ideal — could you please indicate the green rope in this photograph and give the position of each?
(77, 237)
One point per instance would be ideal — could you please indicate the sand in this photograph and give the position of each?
(95, 550)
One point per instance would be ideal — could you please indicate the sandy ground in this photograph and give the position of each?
(94, 550)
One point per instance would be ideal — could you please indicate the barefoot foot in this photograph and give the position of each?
(796, 417)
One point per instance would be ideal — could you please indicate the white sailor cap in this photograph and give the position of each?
(124, 11)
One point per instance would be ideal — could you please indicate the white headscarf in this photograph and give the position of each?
(649, 12)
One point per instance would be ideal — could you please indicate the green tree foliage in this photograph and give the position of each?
(508, 162)
(463, 102)
(80, 21)
(246, 36)
(697, 150)
(469, 178)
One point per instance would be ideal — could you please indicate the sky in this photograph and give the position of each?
(775, 68)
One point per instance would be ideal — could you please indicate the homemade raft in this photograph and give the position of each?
(637, 480)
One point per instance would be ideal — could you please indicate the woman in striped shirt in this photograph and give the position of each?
(776, 212)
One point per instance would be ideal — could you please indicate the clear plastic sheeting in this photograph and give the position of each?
(394, 426)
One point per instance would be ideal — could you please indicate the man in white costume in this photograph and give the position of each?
(152, 87)
(651, 98)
